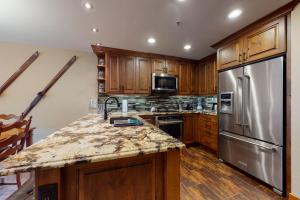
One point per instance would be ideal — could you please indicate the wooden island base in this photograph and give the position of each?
(153, 176)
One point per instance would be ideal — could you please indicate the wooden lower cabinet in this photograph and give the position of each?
(188, 129)
(147, 177)
(206, 131)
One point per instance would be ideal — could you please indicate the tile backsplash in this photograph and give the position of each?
(162, 103)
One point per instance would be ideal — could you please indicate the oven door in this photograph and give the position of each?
(172, 128)
(164, 82)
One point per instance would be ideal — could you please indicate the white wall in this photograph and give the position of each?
(65, 102)
(296, 101)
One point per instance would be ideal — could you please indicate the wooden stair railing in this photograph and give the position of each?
(42, 93)
(23, 67)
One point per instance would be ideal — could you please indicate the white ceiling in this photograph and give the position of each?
(128, 23)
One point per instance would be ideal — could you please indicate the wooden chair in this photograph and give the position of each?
(13, 137)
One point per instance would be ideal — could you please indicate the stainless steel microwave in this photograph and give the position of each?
(164, 83)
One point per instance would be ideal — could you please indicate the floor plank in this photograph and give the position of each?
(203, 176)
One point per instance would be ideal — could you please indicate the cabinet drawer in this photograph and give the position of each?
(260, 159)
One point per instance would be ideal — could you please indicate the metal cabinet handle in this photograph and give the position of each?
(260, 146)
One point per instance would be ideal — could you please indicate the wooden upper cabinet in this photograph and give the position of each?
(193, 79)
(202, 79)
(113, 73)
(172, 67)
(211, 76)
(230, 55)
(267, 41)
(159, 66)
(143, 76)
(259, 43)
(127, 75)
(184, 78)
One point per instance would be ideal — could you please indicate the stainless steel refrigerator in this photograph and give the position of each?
(251, 120)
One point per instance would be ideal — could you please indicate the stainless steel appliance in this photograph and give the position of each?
(251, 120)
(171, 124)
(164, 83)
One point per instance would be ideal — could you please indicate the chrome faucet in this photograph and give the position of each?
(105, 105)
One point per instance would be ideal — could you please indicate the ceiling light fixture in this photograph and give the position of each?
(181, 0)
(187, 47)
(235, 13)
(98, 44)
(151, 40)
(95, 30)
(88, 5)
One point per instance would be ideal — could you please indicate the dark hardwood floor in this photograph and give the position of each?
(203, 176)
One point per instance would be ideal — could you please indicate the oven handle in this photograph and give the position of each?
(168, 122)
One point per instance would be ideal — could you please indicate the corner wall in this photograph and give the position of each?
(65, 102)
(295, 87)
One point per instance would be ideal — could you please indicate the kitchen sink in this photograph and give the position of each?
(125, 121)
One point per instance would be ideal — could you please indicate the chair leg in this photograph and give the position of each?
(18, 179)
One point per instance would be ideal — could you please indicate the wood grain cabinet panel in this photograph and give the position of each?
(230, 55)
(267, 41)
(258, 43)
(184, 78)
(130, 182)
(159, 66)
(172, 67)
(188, 129)
(128, 75)
(193, 79)
(143, 76)
(202, 79)
(114, 67)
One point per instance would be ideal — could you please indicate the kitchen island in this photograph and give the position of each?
(91, 159)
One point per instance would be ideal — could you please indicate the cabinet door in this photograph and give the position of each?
(202, 78)
(143, 74)
(193, 79)
(172, 67)
(230, 55)
(197, 130)
(211, 77)
(188, 128)
(127, 76)
(184, 78)
(266, 41)
(159, 66)
(114, 67)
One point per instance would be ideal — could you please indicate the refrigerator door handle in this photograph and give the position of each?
(258, 145)
(246, 99)
(239, 102)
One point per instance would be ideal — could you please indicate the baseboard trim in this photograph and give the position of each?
(293, 197)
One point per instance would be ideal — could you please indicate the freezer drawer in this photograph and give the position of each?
(259, 159)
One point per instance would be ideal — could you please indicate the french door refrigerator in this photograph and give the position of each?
(251, 120)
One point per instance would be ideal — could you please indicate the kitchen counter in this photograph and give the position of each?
(89, 140)
(148, 113)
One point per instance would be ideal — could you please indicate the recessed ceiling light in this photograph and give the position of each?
(181, 0)
(151, 40)
(95, 30)
(187, 47)
(88, 5)
(235, 13)
(98, 44)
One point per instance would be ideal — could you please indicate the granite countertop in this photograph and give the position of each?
(90, 139)
(206, 112)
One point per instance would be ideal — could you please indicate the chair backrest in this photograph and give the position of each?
(12, 137)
